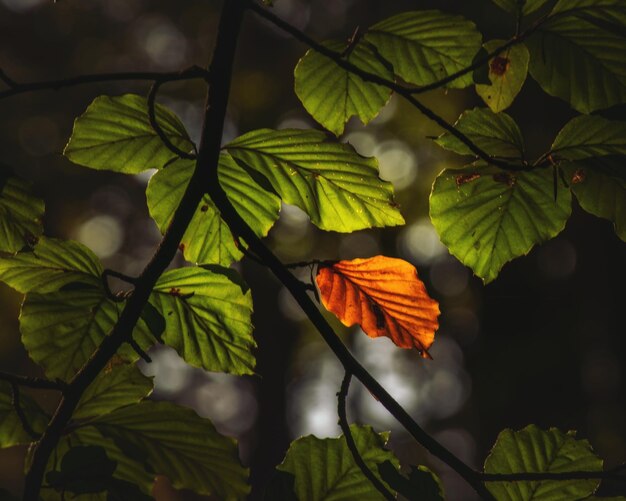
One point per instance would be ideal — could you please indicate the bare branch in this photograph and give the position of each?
(20, 412)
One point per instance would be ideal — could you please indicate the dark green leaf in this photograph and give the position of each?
(426, 46)
(339, 189)
(84, 469)
(422, 484)
(61, 330)
(208, 238)
(154, 321)
(535, 450)
(529, 6)
(487, 217)
(114, 387)
(115, 134)
(325, 468)
(207, 318)
(51, 265)
(575, 57)
(181, 445)
(281, 486)
(20, 215)
(496, 133)
(507, 73)
(590, 136)
(332, 95)
(11, 429)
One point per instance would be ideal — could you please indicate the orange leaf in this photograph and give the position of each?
(384, 296)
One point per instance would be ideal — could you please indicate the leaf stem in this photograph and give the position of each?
(345, 428)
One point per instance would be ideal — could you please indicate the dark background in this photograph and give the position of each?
(542, 344)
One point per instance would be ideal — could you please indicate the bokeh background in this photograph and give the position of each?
(545, 343)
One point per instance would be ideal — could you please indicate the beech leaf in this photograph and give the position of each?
(384, 296)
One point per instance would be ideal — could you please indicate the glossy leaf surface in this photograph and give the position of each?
(332, 95)
(339, 189)
(384, 296)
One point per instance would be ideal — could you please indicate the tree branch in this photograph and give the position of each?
(217, 98)
(20, 413)
(405, 92)
(345, 428)
(33, 382)
(16, 88)
(612, 474)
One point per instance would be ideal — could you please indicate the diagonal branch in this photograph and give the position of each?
(405, 92)
(215, 111)
(345, 428)
(15, 88)
(33, 382)
(20, 412)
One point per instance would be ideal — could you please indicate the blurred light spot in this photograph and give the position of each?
(295, 121)
(39, 136)
(144, 177)
(295, 12)
(164, 44)
(447, 393)
(363, 142)
(449, 276)
(102, 234)
(22, 5)
(386, 113)
(112, 199)
(358, 245)
(171, 373)
(557, 258)
(419, 242)
(601, 373)
(397, 163)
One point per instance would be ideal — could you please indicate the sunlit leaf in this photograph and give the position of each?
(529, 6)
(535, 450)
(421, 484)
(181, 445)
(325, 468)
(507, 73)
(578, 54)
(590, 136)
(339, 189)
(487, 217)
(20, 213)
(598, 192)
(384, 296)
(495, 133)
(426, 46)
(207, 319)
(115, 134)
(114, 387)
(11, 430)
(332, 95)
(61, 330)
(50, 265)
(208, 238)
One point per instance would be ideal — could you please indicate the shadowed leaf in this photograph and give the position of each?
(11, 430)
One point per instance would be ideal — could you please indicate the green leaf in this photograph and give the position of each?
(538, 451)
(339, 189)
(578, 53)
(422, 484)
(61, 330)
(426, 46)
(497, 134)
(114, 387)
(507, 73)
(599, 193)
(207, 318)
(529, 6)
(487, 217)
(50, 265)
(208, 238)
(11, 429)
(325, 468)
(590, 136)
(115, 134)
(332, 95)
(179, 444)
(20, 214)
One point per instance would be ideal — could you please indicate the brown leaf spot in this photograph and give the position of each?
(579, 176)
(461, 179)
(181, 247)
(204, 208)
(174, 291)
(499, 65)
(504, 178)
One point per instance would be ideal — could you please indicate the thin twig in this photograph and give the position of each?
(157, 127)
(345, 428)
(16, 88)
(20, 412)
(33, 382)
(142, 354)
(405, 92)
(612, 474)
